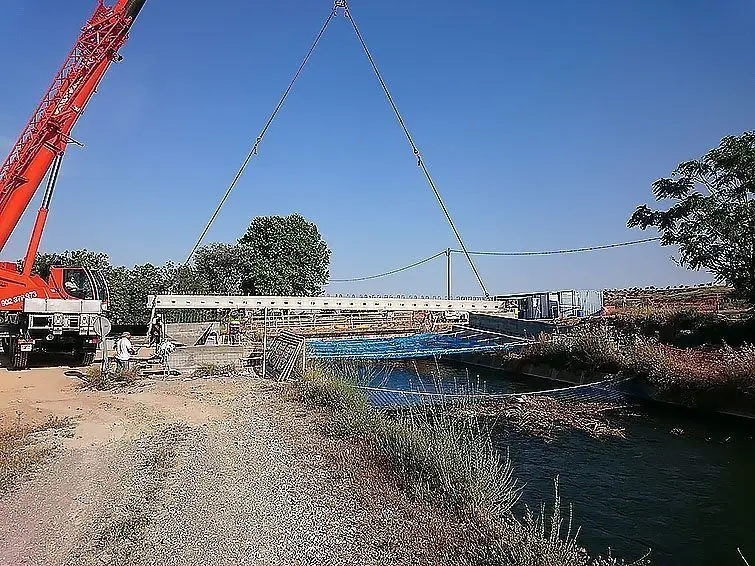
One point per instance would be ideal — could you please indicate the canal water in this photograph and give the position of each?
(688, 496)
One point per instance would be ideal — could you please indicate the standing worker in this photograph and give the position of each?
(123, 352)
(234, 327)
(156, 331)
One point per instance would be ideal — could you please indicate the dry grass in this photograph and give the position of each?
(452, 461)
(723, 370)
(22, 450)
(214, 370)
(95, 378)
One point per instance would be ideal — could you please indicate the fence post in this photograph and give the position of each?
(303, 355)
(264, 346)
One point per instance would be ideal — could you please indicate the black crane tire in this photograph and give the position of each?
(18, 360)
(83, 359)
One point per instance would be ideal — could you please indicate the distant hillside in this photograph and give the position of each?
(702, 298)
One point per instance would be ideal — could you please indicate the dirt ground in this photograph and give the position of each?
(204, 471)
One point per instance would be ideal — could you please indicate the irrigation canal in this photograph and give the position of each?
(688, 495)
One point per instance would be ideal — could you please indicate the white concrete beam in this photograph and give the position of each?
(320, 303)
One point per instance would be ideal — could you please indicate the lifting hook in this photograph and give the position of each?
(341, 4)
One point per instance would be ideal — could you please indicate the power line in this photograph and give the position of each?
(379, 275)
(569, 251)
(499, 254)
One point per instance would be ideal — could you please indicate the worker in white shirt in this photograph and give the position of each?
(123, 351)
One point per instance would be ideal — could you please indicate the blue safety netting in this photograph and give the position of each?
(403, 347)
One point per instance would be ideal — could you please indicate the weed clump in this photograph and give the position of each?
(21, 450)
(453, 460)
(214, 370)
(96, 379)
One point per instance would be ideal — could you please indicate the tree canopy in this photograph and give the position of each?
(283, 255)
(278, 255)
(83, 258)
(220, 268)
(711, 216)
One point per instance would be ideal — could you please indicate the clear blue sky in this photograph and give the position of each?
(544, 124)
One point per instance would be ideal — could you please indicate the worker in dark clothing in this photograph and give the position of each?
(234, 327)
(156, 331)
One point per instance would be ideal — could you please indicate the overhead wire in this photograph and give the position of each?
(257, 143)
(499, 254)
(567, 251)
(420, 161)
(392, 272)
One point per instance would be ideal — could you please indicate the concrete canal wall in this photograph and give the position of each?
(192, 357)
(513, 326)
(541, 371)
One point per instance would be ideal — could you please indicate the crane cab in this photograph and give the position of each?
(80, 283)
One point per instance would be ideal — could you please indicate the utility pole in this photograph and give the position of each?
(448, 274)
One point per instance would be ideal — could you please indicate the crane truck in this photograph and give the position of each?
(57, 313)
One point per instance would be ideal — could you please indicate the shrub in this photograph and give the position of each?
(685, 328)
(454, 460)
(95, 378)
(724, 370)
(594, 348)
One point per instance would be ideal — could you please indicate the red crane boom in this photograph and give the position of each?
(49, 129)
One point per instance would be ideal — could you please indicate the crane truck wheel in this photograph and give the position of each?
(83, 358)
(18, 360)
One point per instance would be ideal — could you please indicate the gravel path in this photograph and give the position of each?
(254, 481)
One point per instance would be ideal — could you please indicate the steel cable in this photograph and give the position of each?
(254, 149)
(568, 251)
(499, 254)
(420, 161)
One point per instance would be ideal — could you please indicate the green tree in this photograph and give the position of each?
(69, 258)
(283, 255)
(219, 269)
(712, 215)
(184, 279)
(119, 285)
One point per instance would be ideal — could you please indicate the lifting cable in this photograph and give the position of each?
(420, 161)
(498, 254)
(341, 4)
(257, 143)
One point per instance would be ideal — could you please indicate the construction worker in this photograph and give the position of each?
(234, 327)
(156, 331)
(123, 352)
